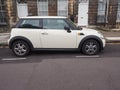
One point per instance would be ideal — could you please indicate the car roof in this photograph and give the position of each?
(32, 17)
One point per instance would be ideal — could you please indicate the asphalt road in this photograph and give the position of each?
(61, 70)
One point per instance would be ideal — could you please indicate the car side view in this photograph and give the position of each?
(53, 33)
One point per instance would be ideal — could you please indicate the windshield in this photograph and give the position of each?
(72, 25)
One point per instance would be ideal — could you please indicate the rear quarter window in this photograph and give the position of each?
(30, 23)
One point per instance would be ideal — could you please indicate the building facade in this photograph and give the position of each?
(3, 12)
(105, 13)
(12, 10)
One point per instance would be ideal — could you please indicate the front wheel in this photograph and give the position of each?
(90, 47)
(20, 48)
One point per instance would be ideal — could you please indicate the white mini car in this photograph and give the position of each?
(53, 33)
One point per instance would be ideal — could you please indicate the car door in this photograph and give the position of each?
(30, 29)
(54, 35)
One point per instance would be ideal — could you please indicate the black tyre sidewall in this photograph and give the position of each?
(87, 41)
(26, 45)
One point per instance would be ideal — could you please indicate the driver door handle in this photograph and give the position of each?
(44, 33)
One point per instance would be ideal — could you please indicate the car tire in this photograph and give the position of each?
(90, 47)
(20, 48)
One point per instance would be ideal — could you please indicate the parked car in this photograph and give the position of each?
(53, 33)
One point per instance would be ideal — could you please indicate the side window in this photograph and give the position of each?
(54, 24)
(30, 23)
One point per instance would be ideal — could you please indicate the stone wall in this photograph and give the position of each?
(11, 12)
(73, 9)
(112, 14)
(93, 8)
(70, 7)
(32, 7)
(52, 7)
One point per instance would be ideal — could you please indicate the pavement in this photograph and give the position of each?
(111, 37)
(4, 38)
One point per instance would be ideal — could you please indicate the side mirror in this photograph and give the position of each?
(67, 29)
(79, 28)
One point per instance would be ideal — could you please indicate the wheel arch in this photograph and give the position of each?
(20, 38)
(91, 37)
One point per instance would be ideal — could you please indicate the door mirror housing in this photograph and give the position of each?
(79, 28)
(67, 29)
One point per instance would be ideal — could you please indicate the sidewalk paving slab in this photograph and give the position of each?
(113, 38)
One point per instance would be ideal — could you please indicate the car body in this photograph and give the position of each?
(53, 33)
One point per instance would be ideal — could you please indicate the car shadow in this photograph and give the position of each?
(35, 56)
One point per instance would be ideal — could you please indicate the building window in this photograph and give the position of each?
(62, 7)
(22, 1)
(102, 11)
(83, 1)
(2, 13)
(118, 12)
(43, 7)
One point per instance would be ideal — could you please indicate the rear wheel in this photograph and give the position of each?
(20, 48)
(90, 47)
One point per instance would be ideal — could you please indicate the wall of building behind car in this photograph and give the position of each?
(104, 13)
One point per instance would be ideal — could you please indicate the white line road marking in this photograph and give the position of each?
(7, 59)
(95, 56)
